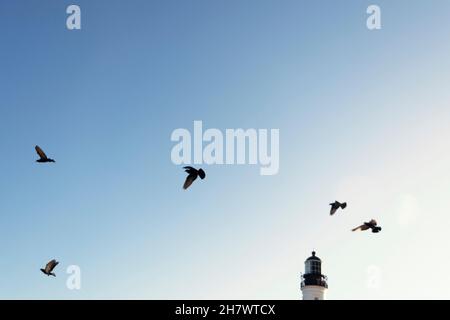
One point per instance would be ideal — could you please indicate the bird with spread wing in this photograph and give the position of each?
(42, 156)
(192, 176)
(372, 224)
(336, 205)
(49, 268)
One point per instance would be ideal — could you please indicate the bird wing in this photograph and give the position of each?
(40, 152)
(189, 179)
(362, 227)
(51, 265)
(333, 209)
(189, 169)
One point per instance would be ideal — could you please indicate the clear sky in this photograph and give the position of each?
(363, 117)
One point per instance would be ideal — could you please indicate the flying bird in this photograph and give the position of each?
(49, 268)
(192, 175)
(42, 156)
(372, 224)
(336, 205)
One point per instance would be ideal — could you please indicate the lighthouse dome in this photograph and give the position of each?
(313, 265)
(313, 257)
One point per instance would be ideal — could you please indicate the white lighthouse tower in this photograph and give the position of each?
(313, 282)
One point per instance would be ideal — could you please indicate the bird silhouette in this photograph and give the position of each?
(192, 175)
(42, 156)
(372, 224)
(336, 205)
(49, 268)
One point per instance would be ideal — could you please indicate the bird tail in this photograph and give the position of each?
(52, 274)
(343, 205)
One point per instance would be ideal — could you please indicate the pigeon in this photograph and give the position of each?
(336, 205)
(42, 156)
(372, 224)
(49, 268)
(193, 174)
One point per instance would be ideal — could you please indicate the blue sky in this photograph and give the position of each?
(363, 117)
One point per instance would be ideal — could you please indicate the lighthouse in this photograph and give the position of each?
(313, 282)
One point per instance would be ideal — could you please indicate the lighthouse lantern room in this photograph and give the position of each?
(313, 282)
